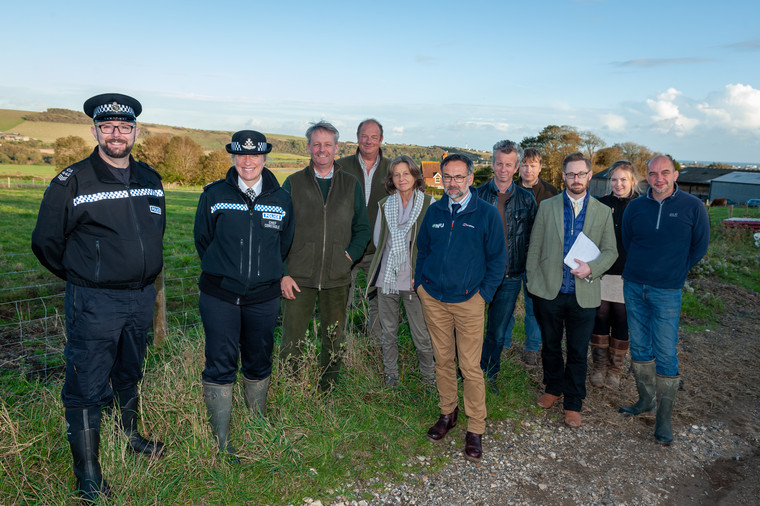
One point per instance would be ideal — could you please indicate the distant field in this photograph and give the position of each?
(47, 171)
(10, 118)
(48, 131)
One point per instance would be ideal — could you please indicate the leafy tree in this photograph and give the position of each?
(605, 157)
(637, 154)
(714, 165)
(152, 150)
(591, 144)
(69, 150)
(482, 174)
(555, 143)
(214, 166)
(19, 153)
(183, 160)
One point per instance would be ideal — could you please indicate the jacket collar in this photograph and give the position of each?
(104, 175)
(268, 180)
(675, 191)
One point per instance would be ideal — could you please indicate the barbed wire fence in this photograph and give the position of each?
(32, 317)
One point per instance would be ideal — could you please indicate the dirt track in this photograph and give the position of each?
(612, 459)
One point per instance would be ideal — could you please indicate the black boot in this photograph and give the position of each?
(83, 433)
(129, 403)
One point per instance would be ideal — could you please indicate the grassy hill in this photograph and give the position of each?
(9, 118)
(55, 123)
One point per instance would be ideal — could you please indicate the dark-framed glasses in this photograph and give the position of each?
(576, 175)
(457, 179)
(108, 129)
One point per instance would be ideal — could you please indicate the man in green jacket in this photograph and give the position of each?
(565, 290)
(370, 167)
(331, 233)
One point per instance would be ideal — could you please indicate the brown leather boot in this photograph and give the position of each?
(617, 352)
(599, 346)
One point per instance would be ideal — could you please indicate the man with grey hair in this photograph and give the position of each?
(517, 208)
(370, 167)
(331, 233)
(460, 263)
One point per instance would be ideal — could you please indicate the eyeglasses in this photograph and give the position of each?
(123, 129)
(457, 179)
(576, 175)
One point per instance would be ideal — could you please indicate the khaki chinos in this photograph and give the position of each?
(466, 318)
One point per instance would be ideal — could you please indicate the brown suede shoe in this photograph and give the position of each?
(473, 451)
(572, 419)
(547, 400)
(444, 424)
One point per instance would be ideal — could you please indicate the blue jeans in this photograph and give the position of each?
(532, 330)
(653, 317)
(499, 312)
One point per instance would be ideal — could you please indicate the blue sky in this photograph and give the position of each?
(681, 77)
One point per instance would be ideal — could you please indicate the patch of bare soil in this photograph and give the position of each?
(611, 459)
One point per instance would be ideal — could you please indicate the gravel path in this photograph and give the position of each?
(612, 459)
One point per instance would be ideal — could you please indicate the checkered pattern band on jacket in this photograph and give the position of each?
(121, 194)
(269, 209)
(227, 205)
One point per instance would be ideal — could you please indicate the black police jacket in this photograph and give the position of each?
(242, 243)
(518, 214)
(95, 231)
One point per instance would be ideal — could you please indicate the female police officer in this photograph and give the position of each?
(243, 230)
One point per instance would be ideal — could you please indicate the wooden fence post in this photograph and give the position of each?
(159, 313)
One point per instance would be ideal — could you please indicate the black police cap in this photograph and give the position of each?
(248, 142)
(112, 106)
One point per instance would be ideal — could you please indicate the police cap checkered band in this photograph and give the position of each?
(248, 142)
(112, 106)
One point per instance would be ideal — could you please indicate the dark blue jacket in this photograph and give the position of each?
(242, 244)
(664, 239)
(519, 213)
(460, 257)
(95, 231)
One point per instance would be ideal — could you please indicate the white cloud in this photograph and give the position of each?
(613, 122)
(736, 107)
(668, 115)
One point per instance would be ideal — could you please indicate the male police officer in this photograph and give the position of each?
(100, 228)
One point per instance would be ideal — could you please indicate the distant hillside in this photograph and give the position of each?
(55, 123)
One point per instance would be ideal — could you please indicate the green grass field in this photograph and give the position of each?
(44, 171)
(310, 445)
(9, 118)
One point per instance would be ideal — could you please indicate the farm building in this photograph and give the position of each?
(696, 180)
(739, 186)
(431, 171)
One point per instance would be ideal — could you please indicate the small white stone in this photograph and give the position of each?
(542, 486)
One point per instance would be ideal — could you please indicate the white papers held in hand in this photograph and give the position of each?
(583, 249)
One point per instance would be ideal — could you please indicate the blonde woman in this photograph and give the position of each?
(609, 342)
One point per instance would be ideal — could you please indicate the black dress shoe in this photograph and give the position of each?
(473, 450)
(444, 424)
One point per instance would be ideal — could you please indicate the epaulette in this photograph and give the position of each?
(209, 185)
(63, 177)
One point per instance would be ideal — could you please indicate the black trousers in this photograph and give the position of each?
(107, 337)
(566, 378)
(232, 331)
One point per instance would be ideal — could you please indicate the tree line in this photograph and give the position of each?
(179, 159)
